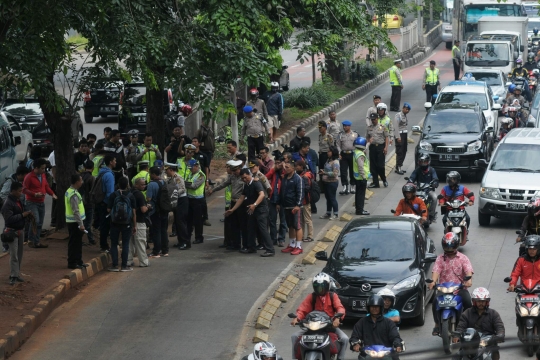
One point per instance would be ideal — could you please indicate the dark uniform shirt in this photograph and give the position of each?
(251, 192)
(203, 160)
(173, 154)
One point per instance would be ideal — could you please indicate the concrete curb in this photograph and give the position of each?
(15, 338)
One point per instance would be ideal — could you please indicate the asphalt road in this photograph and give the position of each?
(193, 304)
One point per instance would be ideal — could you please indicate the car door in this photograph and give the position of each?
(494, 113)
(21, 141)
(7, 154)
(424, 246)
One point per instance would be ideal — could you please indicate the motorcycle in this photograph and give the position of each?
(527, 311)
(319, 342)
(474, 345)
(456, 220)
(422, 191)
(450, 307)
(376, 352)
(533, 81)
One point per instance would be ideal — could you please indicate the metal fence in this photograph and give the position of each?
(433, 37)
(406, 42)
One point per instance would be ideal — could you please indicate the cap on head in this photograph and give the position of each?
(373, 116)
(190, 147)
(456, 41)
(234, 163)
(172, 166)
(133, 132)
(397, 61)
(407, 105)
(346, 123)
(192, 163)
(143, 162)
(252, 164)
(376, 97)
(322, 124)
(248, 109)
(158, 163)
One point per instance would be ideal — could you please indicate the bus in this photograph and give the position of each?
(446, 17)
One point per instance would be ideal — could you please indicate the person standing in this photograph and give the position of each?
(137, 244)
(431, 81)
(35, 187)
(255, 127)
(400, 134)
(195, 184)
(179, 212)
(52, 184)
(330, 174)
(385, 120)
(14, 218)
(345, 146)
(361, 174)
(325, 141)
(377, 135)
(115, 148)
(372, 109)
(175, 149)
(298, 139)
(204, 164)
(148, 151)
(275, 109)
(456, 59)
(259, 176)
(183, 162)
(18, 176)
(274, 177)
(396, 82)
(75, 216)
(81, 156)
(84, 190)
(303, 154)
(266, 163)
(122, 209)
(143, 173)
(332, 125)
(207, 146)
(308, 178)
(97, 157)
(106, 136)
(132, 152)
(158, 217)
(257, 104)
(107, 187)
(291, 197)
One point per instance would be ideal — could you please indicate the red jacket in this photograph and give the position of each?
(526, 268)
(272, 178)
(32, 185)
(307, 306)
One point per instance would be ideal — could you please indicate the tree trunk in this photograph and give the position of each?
(155, 120)
(334, 69)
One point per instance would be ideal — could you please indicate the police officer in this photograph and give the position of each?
(132, 151)
(75, 216)
(325, 141)
(345, 145)
(195, 185)
(377, 135)
(456, 59)
(431, 81)
(400, 134)
(372, 109)
(384, 120)
(361, 173)
(257, 103)
(332, 125)
(396, 82)
(255, 127)
(149, 151)
(183, 168)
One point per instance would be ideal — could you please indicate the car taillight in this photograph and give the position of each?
(395, 18)
(169, 93)
(374, 18)
(121, 98)
(87, 96)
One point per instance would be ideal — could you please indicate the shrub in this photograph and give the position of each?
(366, 71)
(307, 97)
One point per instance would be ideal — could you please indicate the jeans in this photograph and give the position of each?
(158, 233)
(342, 338)
(273, 223)
(465, 298)
(38, 210)
(330, 189)
(74, 244)
(16, 254)
(104, 226)
(87, 222)
(116, 231)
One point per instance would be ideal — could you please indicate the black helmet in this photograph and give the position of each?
(450, 242)
(424, 161)
(409, 187)
(375, 300)
(453, 178)
(533, 209)
(532, 242)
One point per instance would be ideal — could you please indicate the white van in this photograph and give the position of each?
(8, 162)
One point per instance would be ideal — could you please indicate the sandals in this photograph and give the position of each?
(307, 239)
(435, 331)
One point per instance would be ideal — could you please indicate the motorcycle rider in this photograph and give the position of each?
(520, 71)
(482, 319)
(513, 115)
(531, 223)
(263, 351)
(389, 301)
(516, 95)
(411, 204)
(425, 174)
(454, 191)
(375, 329)
(506, 126)
(452, 266)
(530, 64)
(322, 299)
(521, 267)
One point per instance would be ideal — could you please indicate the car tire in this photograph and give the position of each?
(483, 219)
(421, 318)
(88, 119)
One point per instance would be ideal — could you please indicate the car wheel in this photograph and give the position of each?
(421, 318)
(88, 119)
(483, 219)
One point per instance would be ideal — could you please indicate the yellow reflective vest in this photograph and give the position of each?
(69, 211)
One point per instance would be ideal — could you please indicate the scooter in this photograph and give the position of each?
(450, 307)
(474, 345)
(527, 310)
(376, 352)
(533, 81)
(456, 221)
(422, 191)
(319, 342)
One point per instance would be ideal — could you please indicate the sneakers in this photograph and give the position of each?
(362, 212)
(267, 254)
(297, 251)
(155, 256)
(325, 216)
(126, 269)
(114, 269)
(334, 217)
(288, 249)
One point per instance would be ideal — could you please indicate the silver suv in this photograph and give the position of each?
(512, 176)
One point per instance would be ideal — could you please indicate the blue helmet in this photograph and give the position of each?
(468, 76)
(191, 163)
(407, 105)
(511, 88)
(360, 142)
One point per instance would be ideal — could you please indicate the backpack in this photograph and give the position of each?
(121, 212)
(97, 194)
(163, 202)
(314, 191)
(172, 188)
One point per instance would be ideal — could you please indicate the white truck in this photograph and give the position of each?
(498, 52)
(507, 25)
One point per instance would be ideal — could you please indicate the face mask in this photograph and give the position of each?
(519, 66)
(299, 172)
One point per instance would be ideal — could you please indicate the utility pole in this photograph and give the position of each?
(420, 23)
(430, 10)
(313, 69)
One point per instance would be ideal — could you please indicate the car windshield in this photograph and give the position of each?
(377, 245)
(486, 54)
(492, 79)
(531, 10)
(516, 157)
(135, 94)
(23, 108)
(463, 98)
(449, 122)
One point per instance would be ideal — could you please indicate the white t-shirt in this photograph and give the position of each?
(53, 163)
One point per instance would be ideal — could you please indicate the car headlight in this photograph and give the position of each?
(475, 146)
(424, 145)
(408, 283)
(491, 193)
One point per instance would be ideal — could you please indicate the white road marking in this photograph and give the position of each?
(308, 66)
(293, 66)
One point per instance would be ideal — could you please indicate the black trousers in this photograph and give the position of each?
(131, 172)
(395, 99)
(376, 162)
(238, 226)
(75, 244)
(195, 218)
(430, 91)
(457, 70)
(53, 207)
(257, 227)
(227, 233)
(255, 145)
(465, 297)
(180, 219)
(346, 168)
(323, 157)
(360, 196)
(401, 149)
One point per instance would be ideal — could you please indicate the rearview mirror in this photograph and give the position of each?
(291, 315)
(440, 196)
(518, 232)
(496, 106)
(507, 279)
(489, 129)
(429, 258)
(393, 211)
(481, 163)
(321, 255)
(416, 128)
(467, 278)
(428, 105)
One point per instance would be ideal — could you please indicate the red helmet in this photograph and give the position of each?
(254, 92)
(450, 242)
(186, 109)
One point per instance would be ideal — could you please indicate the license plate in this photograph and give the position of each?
(449, 157)
(532, 300)
(107, 109)
(515, 206)
(141, 119)
(446, 303)
(359, 305)
(318, 339)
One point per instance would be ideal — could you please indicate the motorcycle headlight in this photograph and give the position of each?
(485, 341)
(534, 310)
(491, 193)
(447, 290)
(424, 145)
(523, 310)
(314, 325)
(475, 146)
(377, 354)
(408, 283)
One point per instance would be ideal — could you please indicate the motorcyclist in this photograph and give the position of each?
(519, 71)
(454, 191)
(506, 126)
(375, 330)
(451, 266)
(531, 223)
(522, 268)
(516, 94)
(389, 301)
(322, 299)
(482, 319)
(514, 115)
(424, 174)
(530, 64)
(263, 351)
(411, 204)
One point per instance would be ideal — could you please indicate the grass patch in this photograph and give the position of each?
(78, 40)
(384, 64)
(292, 115)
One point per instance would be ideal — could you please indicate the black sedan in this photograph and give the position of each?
(382, 252)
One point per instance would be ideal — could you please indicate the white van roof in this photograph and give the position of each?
(523, 136)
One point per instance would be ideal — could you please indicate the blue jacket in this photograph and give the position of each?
(292, 192)
(418, 176)
(274, 104)
(107, 182)
(311, 165)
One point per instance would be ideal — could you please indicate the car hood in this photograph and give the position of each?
(499, 90)
(388, 272)
(450, 139)
(511, 180)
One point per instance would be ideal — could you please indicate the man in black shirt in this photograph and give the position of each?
(175, 149)
(203, 160)
(106, 136)
(81, 156)
(300, 134)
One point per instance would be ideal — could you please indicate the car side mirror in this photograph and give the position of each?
(467, 278)
(508, 83)
(429, 258)
(424, 211)
(18, 140)
(481, 163)
(496, 106)
(507, 279)
(518, 232)
(428, 105)
(392, 211)
(495, 97)
(416, 128)
(489, 129)
(292, 315)
(321, 255)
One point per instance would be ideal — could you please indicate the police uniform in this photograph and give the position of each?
(361, 174)
(396, 82)
(456, 60)
(325, 141)
(195, 185)
(260, 105)
(387, 123)
(346, 148)
(371, 110)
(378, 135)
(235, 226)
(255, 128)
(400, 132)
(332, 128)
(132, 151)
(75, 216)
(150, 156)
(431, 82)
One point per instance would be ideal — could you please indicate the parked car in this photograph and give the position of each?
(496, 79)
(390, 21)
(22, 136)
(8, 161)
(511, 177)
(102, 100)
(362, 264)
(455, 136)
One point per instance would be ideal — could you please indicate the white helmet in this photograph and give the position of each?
(321, 283)
(274, 84)
(481, 294)
(507, 121)
(264, 350)
(381, 106)
(384, 293)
